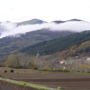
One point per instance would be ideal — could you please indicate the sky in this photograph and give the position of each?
(47, 10)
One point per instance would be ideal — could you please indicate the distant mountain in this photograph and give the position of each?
(71, 20)
(58, 21)
(74, 20)
(33, 21)
(38, 21)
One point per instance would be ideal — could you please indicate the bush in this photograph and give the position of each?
(35, 68)
(46, 68)
(12, 71)
(32, 65)
(66, 70)
(5, 71)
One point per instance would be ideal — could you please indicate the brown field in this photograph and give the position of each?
(69, 81)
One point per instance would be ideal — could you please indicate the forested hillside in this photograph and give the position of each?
(11, 44)
(57, 45)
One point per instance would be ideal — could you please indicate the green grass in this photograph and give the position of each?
(22, 83)
(48, 72)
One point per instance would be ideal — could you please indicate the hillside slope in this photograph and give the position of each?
(57, 45)
(10, 44)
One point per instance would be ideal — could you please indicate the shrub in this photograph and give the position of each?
(66, 70)
(12, 71)
(35, 68)
(46, 68)
(5, 71)
(32, 65)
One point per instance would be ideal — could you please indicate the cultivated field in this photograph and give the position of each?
(69, 81)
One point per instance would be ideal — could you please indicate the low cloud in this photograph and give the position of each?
(11, 29)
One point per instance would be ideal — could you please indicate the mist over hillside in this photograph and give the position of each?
(17, 29)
